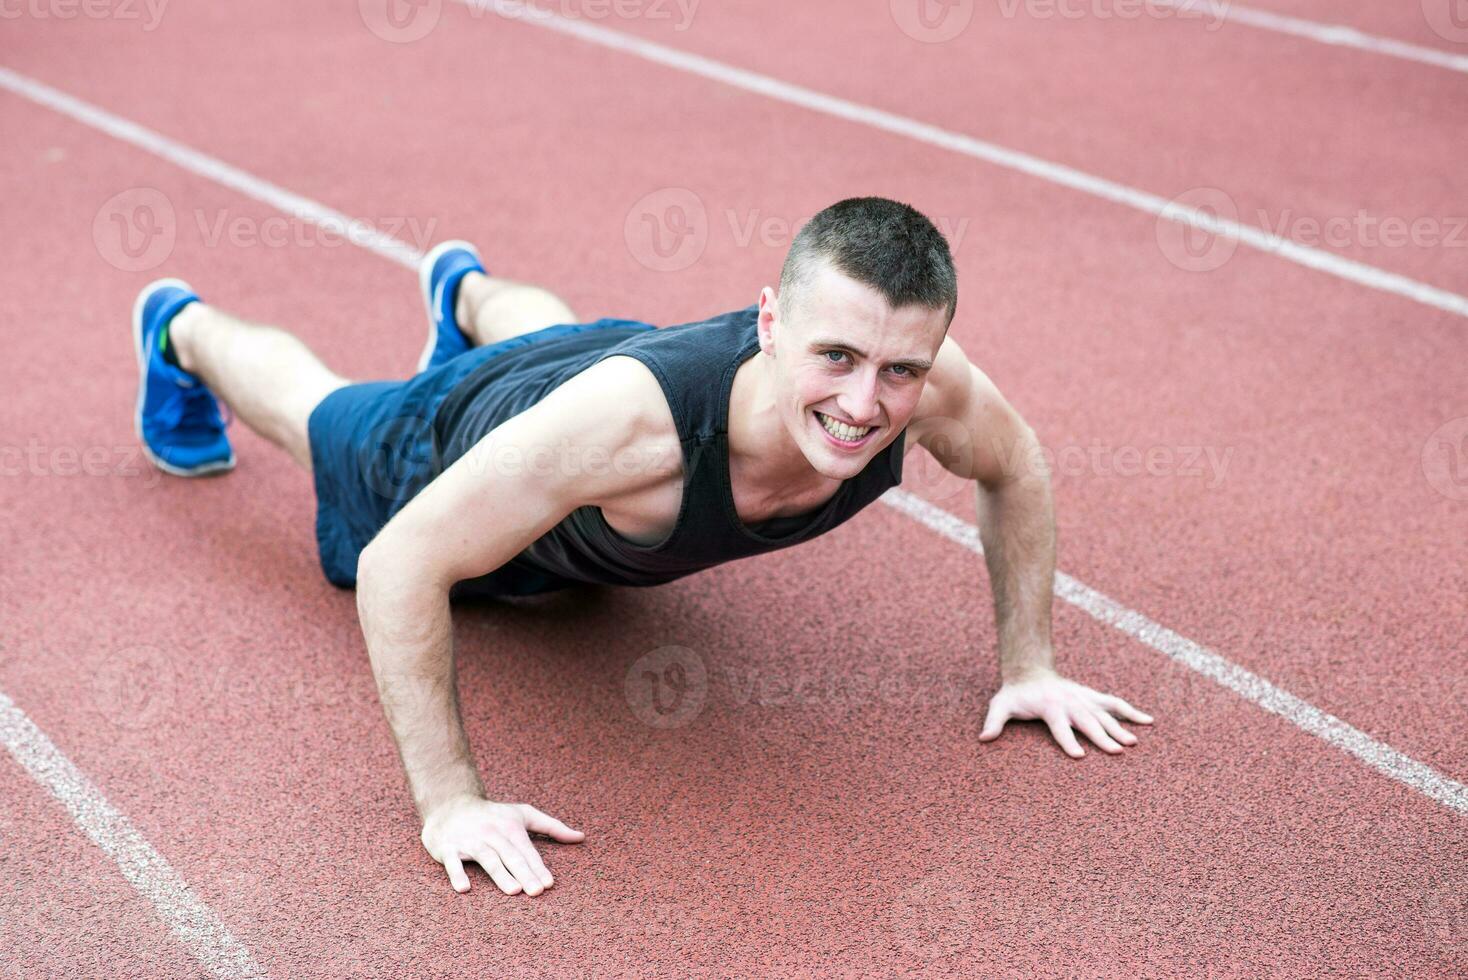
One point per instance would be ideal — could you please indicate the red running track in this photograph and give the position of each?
(829, 807)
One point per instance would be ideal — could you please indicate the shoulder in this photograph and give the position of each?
(613, 422)
(963, 419)
(619, 395)
(950, 386)
(604, 433)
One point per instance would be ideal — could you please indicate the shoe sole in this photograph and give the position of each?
(425, 286)
(167, 467)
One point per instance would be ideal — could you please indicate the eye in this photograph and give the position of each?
(902, 370)
(834, 356)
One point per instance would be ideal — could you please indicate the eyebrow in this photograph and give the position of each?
(916, 363)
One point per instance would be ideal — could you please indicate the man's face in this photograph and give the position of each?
(849, 369)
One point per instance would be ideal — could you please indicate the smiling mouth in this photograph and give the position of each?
(850, 435)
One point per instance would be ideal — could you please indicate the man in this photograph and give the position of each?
(533, 452)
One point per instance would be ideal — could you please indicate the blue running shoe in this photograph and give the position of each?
(178, 417)
(438, 277)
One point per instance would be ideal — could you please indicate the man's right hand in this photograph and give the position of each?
(497, 835)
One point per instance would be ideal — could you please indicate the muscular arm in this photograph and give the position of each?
(975, 433)
(1017, 528)
(405, 621)
(477, 515)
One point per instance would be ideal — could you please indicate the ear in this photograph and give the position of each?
(769, 319)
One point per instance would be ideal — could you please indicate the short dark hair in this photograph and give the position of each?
(884, 244)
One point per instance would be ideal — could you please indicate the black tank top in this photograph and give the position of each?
(695, 365)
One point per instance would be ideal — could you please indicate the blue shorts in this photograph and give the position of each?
(373, 448)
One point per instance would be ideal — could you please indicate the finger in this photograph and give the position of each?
(516, 863)
(539, 823)
(489, 860)
(532, 858)
(1060, 728)
(1088, 724)
(1114, 729)
(1120, 707)
(457, 877)
(994, 721)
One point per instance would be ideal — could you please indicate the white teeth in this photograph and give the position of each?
(842, 431)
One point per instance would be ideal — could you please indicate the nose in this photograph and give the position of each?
(858, 401)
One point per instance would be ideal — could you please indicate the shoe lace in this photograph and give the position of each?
(192, 408)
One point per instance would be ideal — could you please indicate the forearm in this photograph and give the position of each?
(409, 639)
(1017, 527)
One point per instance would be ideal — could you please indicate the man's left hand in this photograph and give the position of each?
(1064, 705)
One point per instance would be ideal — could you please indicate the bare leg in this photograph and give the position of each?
(491, 309)
(268, 378)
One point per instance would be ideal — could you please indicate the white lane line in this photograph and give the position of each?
(1069, 177)
(358, 232)
(145, 869)
(1376, 754)
(1334, 34)
(1246, 684)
